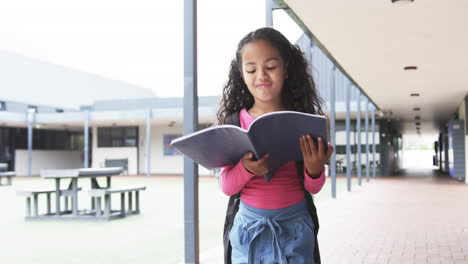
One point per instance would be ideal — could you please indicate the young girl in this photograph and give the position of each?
(273, 223)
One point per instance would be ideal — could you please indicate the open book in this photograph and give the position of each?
(276, 133)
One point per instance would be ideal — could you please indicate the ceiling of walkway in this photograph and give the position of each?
(373, 40)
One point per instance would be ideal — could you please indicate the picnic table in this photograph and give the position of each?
(72, 192)
(6, 174)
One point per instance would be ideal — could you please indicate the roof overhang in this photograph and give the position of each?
(374, 40)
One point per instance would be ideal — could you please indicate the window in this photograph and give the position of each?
(76, 141)
(3, 106)
(168, 149)
(33, 107)
(21, 137)
(49, 139)
(117, 137)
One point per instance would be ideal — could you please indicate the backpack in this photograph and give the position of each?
(234, 201)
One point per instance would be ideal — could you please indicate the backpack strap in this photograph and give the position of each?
(312, 211)
(233, 120)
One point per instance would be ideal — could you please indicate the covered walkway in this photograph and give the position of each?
(416, 217)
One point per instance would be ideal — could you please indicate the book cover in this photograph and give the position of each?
(276, 133)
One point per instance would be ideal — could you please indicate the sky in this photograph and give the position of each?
(137, 42)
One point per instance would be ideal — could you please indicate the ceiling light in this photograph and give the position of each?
(416, 109)
(414, 94)
(410, 68)
(384, 113)
(402, 1)
(418, 124)
(417, 117)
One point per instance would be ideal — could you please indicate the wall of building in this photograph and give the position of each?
(389, 148)
(137, 158)
(161, 163)
(387, 141)
(457, 146)
(46, 159)
(99, 155)
(462, 115)
(142, 149)
(340, 140)
(466, 138)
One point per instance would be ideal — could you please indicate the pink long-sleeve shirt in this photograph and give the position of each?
(283, 190)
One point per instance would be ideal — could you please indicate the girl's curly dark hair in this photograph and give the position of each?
(298, 93)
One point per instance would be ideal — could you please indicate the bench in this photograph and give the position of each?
(8, 175)
(35, 195)
(98, 194)
(117, 163)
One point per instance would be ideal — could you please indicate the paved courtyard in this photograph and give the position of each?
(416, 218)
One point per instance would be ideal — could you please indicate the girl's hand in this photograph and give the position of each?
(314, 158)
(256, 167)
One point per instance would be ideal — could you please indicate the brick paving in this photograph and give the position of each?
(417, 217)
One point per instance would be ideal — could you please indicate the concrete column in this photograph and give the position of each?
(348, 136)
(31, 119)
(269, 13)
(271, 5)
(191, 230)
(148, 142)
(367, 141)
(358, 129)
(373, 144)
(86, 140)
(332, 130)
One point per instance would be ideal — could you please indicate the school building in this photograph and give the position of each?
(136, 133)
(117, 133)
(35, 137)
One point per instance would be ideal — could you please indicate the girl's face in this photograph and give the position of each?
(263, 71)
